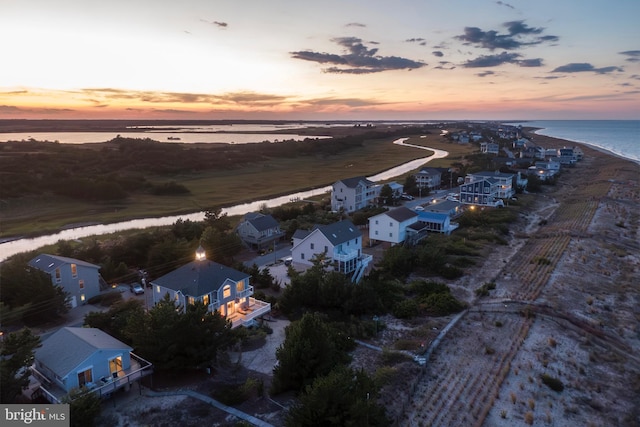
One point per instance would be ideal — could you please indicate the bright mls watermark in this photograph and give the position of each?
(37, 415)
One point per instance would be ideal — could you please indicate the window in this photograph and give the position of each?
(58, 277)
(302, 256)
(82, 297)
(240, 286)
(326, 249)
(74, 271)
(312, 246)
(192, 300)
(376, 232)
(376, 222)
(158, 288)
(205, 300)
(390, 234)
(226, 292)
(390, 224)
(81, 283)
(84, 377)
(115, 365)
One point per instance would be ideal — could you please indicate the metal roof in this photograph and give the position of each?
(199, 278)
(49, 263)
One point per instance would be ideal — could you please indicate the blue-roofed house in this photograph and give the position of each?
(340, 243)
(89, 358)
(216, 286)
(80, 279)
(259, 231)
(437, 222)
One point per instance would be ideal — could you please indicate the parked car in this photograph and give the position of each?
(405, 196)
(137, 289)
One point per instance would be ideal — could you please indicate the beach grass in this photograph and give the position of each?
(218, 188)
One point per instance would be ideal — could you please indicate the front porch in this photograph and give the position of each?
(52, 392)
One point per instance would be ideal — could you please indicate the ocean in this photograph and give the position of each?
(620, 137)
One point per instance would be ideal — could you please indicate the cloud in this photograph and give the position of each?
(100, 95)
(505, 4)
(438, 53)
(534, 62)
(485, 74)
(520, 35)
(355, 24)
(581, 67)
(635, 76)
(633, 55)
(492, 60)
(419, 40)
(220, 24)
(444, 66)
(357, 59)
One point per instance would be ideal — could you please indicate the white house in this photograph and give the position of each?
(489, 148)
(80, 279)
(88, 358)
(391, 226)
(352, 194)
(215, 285)
(340, 243)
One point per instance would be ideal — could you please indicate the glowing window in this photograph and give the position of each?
(74, 270)
(205, 299)
(240, 286)
(226, 292)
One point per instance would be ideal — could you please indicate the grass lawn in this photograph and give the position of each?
(210, 189)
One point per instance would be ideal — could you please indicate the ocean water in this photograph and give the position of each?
(620, 137)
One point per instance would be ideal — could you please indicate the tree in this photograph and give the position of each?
(386, 194)
(84, 407)
(310, 349)
(115, 320)
(30, 293)
(217, 220)
(344, 397)
(221, 246)
(173, 339)
(16, 355)
(410, 185)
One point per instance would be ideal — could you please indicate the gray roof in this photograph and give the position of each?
(430, 171)
(401, 214)
(263, 222)
(67, 348)
(340, 232)
(301, 234)
(199, 278)
(49, 263)
(496, 174)
(353, 182)
(444, 206)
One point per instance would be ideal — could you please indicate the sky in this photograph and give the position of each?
(320, 60)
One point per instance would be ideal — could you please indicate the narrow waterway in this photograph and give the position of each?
(13, 247)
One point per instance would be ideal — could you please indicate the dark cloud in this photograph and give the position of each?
(444, 65)
(419, 40)
(355, 24)
(520, 35)
(244, 98)
(350, 102)
(357, 59)
(534, 62)
(485, 74)
(220, 24)
(635, 76)
(438, 53)
(581, 67)
(9, 109)
(501, 3)
(632, 55)
(492, 60)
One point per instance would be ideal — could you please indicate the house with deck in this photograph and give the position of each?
(430, 178)
(84, 359)
(259, 231)
(489, 148)
(482, 192)
(340, 244)
(80, 279)
(391, 226)
(506, 182)
(216, 286)
(437, 222)
(353, 194)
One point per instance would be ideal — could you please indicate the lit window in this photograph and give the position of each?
(192, 300)
(84, 377)
(226, 292)
(74, 270)
(240, 286)
(82, 297)
(205, 299)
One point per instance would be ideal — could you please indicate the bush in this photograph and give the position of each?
(553, 383)
(405, 309)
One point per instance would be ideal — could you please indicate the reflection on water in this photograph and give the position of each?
(13, 247)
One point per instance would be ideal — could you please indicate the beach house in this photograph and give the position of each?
(352, 194)
(216, 286)
(259, 231)
(80, 279)
(391, 226)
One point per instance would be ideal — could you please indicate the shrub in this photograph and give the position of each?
(553, 383)
(405, 309)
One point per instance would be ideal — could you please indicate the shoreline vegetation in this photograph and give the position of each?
(205, 176)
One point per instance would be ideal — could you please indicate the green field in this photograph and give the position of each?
(212, 188)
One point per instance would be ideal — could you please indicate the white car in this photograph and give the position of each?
(137, 289)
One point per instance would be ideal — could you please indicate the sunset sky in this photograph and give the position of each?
(321, 60)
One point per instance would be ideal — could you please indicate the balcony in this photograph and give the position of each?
(345, 256)
(246, 315)
(248, 291)
(103, 387)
